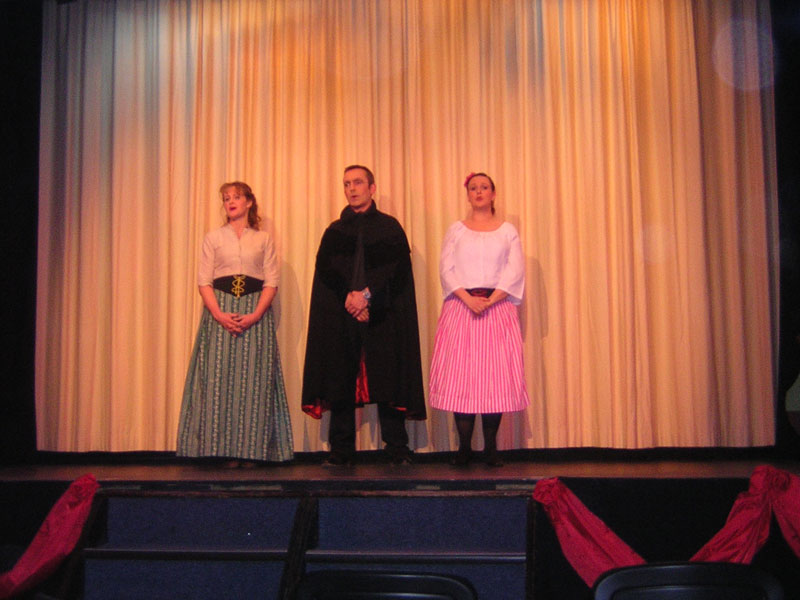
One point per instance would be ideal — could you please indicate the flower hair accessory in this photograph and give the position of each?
(470, 176)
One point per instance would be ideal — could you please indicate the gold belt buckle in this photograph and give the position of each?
(237, 287)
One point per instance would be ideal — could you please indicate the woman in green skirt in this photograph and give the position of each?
(234, 400)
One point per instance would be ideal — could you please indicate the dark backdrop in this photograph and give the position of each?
(20, 65)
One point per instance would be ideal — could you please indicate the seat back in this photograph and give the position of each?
(379, 585)
(687, 581)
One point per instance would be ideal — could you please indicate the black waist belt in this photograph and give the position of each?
(238, 285)
(482, 292)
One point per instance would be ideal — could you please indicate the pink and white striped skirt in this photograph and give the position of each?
(477, 360)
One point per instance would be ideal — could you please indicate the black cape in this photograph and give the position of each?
(391, 337)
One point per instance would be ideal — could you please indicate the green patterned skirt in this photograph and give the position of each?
(234, 399)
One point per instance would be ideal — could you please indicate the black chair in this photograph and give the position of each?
(687, 581)
(379, 585)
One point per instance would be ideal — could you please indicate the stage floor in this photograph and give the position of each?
(431, 471)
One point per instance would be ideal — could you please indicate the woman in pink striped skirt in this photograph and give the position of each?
(477, 356)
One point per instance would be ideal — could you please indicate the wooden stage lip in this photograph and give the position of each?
(430, 472)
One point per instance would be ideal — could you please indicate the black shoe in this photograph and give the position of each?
(338, 459)
(400, 456)
(493, 459)
(461, 458)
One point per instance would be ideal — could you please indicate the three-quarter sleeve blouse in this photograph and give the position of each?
(483, 259)
(224, 253)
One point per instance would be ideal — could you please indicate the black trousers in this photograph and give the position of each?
(342, 432)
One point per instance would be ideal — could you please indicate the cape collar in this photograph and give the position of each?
(348, 214)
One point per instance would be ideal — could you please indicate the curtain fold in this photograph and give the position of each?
(632, 144)
(592, 548)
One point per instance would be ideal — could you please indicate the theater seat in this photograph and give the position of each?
(687, 581)
(378, 585)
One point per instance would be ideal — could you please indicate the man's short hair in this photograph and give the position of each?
(370, 176)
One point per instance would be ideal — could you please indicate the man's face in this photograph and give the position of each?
(357, 190)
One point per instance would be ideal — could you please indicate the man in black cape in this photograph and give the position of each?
(363, 336)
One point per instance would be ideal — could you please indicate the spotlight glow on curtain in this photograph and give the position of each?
(631, 141)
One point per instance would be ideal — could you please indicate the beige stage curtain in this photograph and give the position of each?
(631, 142)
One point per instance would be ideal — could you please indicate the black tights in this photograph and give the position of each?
(465, 423)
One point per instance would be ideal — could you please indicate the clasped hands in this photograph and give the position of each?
(235, 324)
(478, 304)
(357, 305)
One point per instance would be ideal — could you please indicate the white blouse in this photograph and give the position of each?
(224, 253)
(483, 259)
